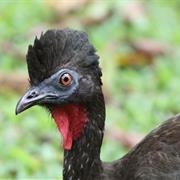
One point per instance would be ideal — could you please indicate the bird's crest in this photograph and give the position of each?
(59, 48)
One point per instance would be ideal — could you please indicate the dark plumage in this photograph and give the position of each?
(59, 48)
(65, 77)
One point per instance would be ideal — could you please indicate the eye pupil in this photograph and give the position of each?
(65, 79)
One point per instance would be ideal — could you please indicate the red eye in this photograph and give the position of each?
(65, 79)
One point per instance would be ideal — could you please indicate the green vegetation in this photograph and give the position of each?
(142, 87)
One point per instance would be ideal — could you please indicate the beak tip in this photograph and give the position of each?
(18, 110)
(20, 107)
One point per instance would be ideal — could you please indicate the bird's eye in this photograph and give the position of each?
(65, 79)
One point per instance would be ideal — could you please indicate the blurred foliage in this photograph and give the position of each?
(138, 97)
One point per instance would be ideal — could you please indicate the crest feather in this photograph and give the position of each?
(58, 48)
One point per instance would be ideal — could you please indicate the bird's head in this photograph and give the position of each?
(64, 76)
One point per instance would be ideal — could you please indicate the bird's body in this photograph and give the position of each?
(156, 157)
(65, 78)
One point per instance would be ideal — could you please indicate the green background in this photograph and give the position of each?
(139, 96)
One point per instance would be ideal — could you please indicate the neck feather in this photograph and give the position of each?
(82, 161)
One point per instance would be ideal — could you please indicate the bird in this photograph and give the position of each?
(65, 78)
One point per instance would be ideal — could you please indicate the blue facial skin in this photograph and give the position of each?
(54, 89)
(49, 91)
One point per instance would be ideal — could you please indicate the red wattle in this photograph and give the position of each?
(70, 120)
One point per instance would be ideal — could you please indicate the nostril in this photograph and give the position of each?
(32, 95)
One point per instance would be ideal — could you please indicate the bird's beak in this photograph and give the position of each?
(33, 96)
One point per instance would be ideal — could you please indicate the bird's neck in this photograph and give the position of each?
(82, 161)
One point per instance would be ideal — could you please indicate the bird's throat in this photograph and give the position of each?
(70, 120)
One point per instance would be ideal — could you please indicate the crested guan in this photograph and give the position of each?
(65, 78)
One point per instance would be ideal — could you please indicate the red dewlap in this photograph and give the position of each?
(70, 120)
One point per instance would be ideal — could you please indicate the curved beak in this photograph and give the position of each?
(33, 96)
